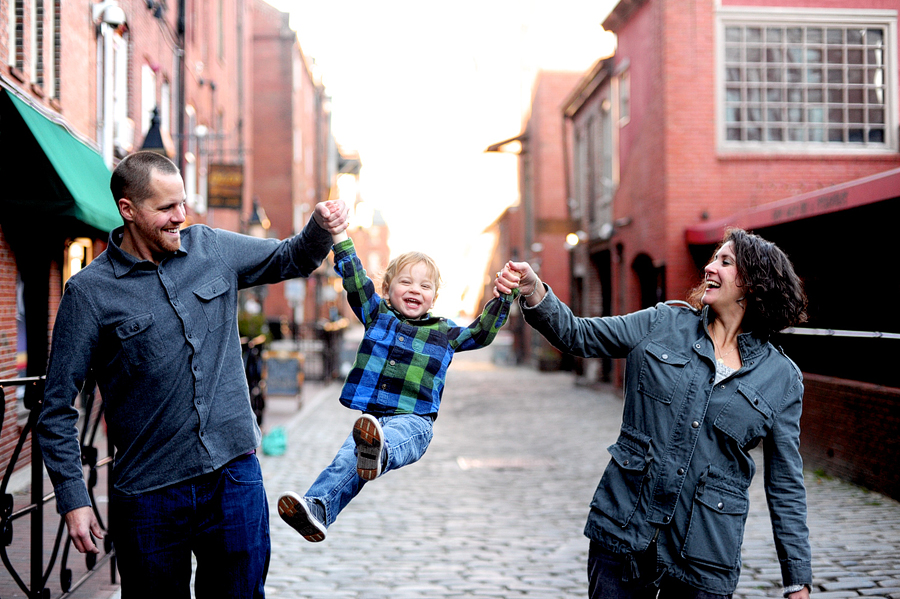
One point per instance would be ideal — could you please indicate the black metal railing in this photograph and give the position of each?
(40, 572)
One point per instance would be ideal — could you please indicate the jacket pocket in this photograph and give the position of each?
(619, 491)
(716, 526)
(661, 372)
(746, 416)
(140, 340)
(213, 298)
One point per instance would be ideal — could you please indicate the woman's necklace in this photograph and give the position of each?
(721, 358)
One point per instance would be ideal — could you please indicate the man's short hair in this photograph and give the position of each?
(131, 178)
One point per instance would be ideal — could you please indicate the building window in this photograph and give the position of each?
(18, 34)
(807, 81)
(55, 69)
(37, 30)
(624, 97)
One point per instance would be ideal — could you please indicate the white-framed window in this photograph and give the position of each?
(807, 81)
(624, 93)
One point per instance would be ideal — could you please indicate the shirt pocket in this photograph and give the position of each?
(746, 416)
(661, 372)
(716, 527)
(619, 491)
(213, 297)
(140, 339)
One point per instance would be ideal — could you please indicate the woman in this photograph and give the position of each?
(703, 386)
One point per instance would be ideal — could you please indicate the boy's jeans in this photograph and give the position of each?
(406, 437)
(222, 517)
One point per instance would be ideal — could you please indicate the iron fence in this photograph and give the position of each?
(40, 572)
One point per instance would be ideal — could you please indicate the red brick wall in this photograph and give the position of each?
(848, 430)
(545, 144)
(8, 340)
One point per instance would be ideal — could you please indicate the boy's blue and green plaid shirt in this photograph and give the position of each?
(401, 364)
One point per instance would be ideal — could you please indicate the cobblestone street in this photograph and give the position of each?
(497, 505)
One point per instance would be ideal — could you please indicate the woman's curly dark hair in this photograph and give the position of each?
(773, 294)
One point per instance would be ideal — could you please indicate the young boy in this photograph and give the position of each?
(396, 381)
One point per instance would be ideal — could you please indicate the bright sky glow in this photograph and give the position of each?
(421, 88)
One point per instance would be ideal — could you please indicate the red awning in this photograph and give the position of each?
(859, 192)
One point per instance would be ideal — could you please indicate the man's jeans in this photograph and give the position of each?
(406, 437)
(222, 517)
(605, 572)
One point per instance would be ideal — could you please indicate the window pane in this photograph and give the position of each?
(806, 75)
(795, 55)
(874, 37)
(733, 34)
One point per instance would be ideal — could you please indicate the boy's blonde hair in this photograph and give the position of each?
(408, 259)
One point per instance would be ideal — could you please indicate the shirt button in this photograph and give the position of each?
(400, 338)
(711, 381)
(720, 505)
(680, 471)
(665, 356)
(666, 519)
(721, 386)
(755, 401)
(626, 462)
(384, 386)
(393, 363)
(697, 346)
(695, 424)
(135, 327)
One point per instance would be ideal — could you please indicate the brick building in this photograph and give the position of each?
(80, 84)
(535, 230)
(778, 117)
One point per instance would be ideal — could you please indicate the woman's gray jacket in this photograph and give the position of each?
(682, 463)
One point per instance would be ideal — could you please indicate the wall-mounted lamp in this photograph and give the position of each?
(108, 12)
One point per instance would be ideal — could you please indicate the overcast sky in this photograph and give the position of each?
(420, 88)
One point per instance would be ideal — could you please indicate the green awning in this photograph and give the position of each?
(84, 193)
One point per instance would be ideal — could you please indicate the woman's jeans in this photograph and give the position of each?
(222, 517)
(406, 437)
(605, 571)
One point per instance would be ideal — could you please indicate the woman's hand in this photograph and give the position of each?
(520, 275)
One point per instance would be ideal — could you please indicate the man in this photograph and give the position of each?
(154, 318)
